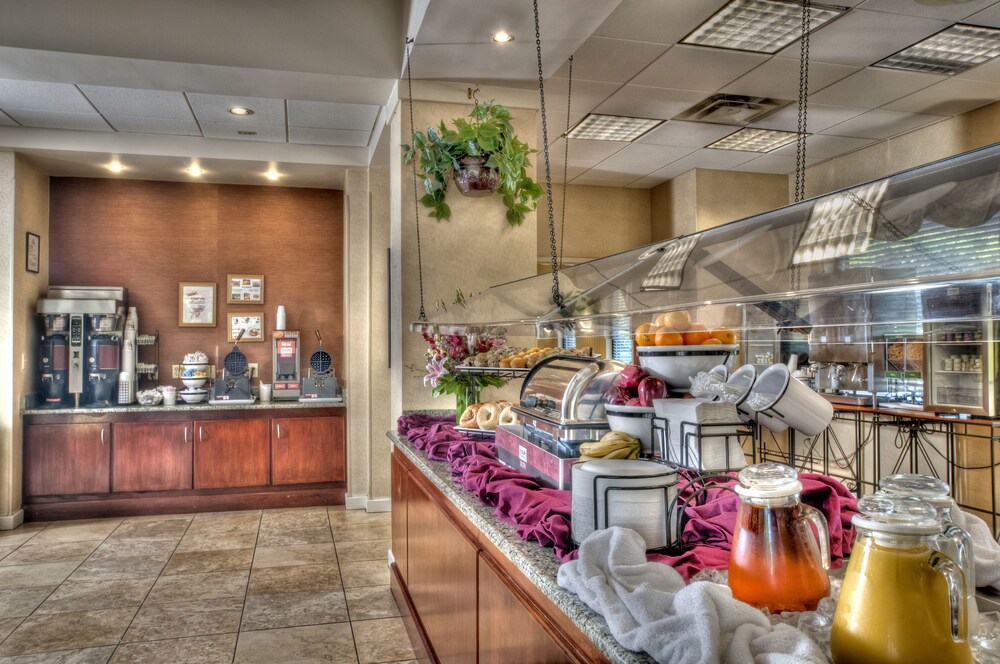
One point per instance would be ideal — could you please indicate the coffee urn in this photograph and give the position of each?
(53, 360)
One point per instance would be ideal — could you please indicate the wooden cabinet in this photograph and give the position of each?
(152, 456)
(305, 450)
(231, 453)
(62, 459)
(400, 492)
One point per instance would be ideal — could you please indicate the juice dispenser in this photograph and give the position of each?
(285, 348)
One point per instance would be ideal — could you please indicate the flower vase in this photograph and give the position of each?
(465, 396)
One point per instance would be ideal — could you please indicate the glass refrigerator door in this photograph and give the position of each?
(960, 368)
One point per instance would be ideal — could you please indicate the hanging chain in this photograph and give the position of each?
(416, 206)
(569, 107)
(800, 139)
(557, 297)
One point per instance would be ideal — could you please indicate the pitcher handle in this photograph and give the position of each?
(956, 594)
(822, 532)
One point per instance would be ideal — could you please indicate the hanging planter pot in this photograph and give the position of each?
(474, 178)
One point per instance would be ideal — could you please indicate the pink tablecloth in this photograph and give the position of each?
(542, 514)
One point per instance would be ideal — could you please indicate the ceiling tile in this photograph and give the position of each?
(6, 120)
(596, 177)
(697, 68)
(269, 133)
(861, 38)
(779, 77)
(55, 97)
(611, 60)
(818, 116)
(145, 125)
(328, 115)
(873, 87)
(145, 103)
(647, 182)
(649, 21)
(687, 134)
(949, 97)
(59, 120)
(646, 102)
(215, 108)
(989, 17)
(641, 160)
(582, 152)
(821, 146)
(772, 163)
(722, 160)
(586, 96)
(955, 11)
(316, 136)
(557, 172)
(988, 71)
(882, 124)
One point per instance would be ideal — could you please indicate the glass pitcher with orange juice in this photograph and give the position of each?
(903, 600)
(777, 562)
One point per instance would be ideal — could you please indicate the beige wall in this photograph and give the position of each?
(379, 374)
(599, 221)
(473, 251)
(674, 207)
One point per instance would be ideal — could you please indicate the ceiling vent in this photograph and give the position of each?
(732, 109)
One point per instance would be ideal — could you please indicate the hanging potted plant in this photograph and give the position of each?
(482, 155)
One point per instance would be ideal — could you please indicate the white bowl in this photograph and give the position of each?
(636, 421)
(193, 396)
(677, 364)
(777, 394)
(194, 382)
(197, 366)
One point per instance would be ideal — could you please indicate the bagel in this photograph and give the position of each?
(488, 416)
(468, 419)
(507, 416)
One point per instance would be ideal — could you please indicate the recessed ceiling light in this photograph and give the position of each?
(241, 110)
(951, 51)
(502, 37)
(272, 174)
(194, 170)
(749, 139)
(612, 127)
(762, 26)
(115, 167)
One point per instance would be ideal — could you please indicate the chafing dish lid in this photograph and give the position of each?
(569, 390)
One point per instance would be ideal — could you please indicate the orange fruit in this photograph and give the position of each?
(667, 337)
(645, 334)
(724, 335)
(711, 341)
(696, 334)
(661, 320)
(678, 320)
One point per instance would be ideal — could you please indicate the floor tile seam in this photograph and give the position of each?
(306, 624)
(187, 636)
(246, 596)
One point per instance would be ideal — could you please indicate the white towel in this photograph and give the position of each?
(648, 608)
(985, 550)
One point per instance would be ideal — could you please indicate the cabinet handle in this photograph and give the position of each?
(185, 434)
(201, 434)
(279, 432)
(102, 435)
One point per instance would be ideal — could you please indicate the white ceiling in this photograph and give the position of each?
(150, 82)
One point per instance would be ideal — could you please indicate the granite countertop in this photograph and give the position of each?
(181, 408)
(537, 563)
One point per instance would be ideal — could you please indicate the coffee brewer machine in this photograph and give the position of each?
(80, 350)
(285, 364)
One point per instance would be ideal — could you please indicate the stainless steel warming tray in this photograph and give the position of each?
(562, 400)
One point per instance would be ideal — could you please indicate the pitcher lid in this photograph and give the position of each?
(927, 488)
(768, 480)
(891, 513)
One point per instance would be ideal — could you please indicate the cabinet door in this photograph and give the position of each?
(400, 490)
(307, 449)
(64, 459)
(152, 456)
(231, 453)
(507, 630)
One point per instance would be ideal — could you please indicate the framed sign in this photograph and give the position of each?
(33, 255)
(252, 325)
(245, 289)
(196, 304)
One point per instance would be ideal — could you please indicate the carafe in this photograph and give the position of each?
(903, 600)
(777, 562)
(958, 544)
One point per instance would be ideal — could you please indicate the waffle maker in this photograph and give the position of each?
(234, 388)
(321, 385)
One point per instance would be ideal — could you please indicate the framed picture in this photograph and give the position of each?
(245, 289)
(252, 325)
(33, 255)
(196, 304)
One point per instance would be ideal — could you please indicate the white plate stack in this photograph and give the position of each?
(710, 454)
(644, 510)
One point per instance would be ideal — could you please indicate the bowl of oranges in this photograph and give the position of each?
(675, 348)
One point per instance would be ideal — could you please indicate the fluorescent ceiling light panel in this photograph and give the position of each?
(612, 127)
(749, 139)
(951, 51)
(762, 26)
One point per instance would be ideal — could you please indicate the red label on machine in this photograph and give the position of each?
(286, 348)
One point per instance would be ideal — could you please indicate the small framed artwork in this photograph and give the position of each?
(245, 289)
(252, 325)
(196, 304)
(33, 255)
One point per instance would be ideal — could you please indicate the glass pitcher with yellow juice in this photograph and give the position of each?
(903, 600)
(776, 561)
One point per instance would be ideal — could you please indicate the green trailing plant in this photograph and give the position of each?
(489, 134)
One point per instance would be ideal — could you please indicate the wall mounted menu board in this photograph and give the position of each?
(252, 325)
(245, 289)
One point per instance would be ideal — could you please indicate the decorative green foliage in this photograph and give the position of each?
(489, 134)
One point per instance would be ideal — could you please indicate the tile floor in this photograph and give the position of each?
(295, 585)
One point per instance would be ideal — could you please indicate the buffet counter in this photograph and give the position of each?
(182, 408)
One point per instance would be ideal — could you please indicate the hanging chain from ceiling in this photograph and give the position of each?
(800, 139)
(416, 206)
(557, 297)
(569, 107)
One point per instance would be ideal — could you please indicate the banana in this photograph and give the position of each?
(620, 453)
(614, 445)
